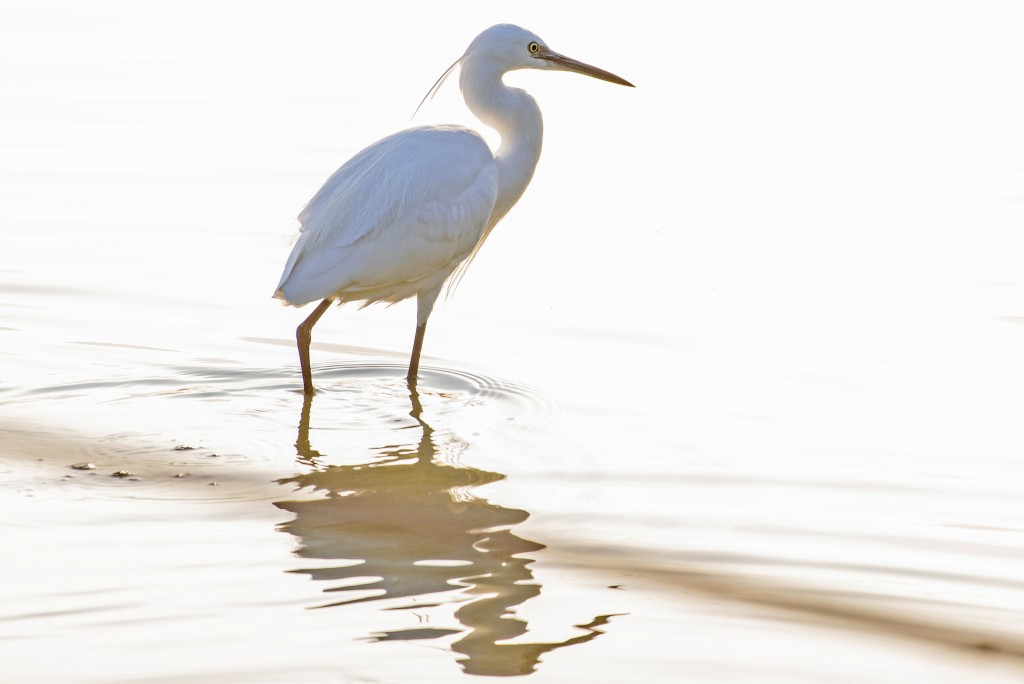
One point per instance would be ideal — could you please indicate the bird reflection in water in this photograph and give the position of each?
(410, 527)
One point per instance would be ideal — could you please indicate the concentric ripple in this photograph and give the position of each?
(243, 425)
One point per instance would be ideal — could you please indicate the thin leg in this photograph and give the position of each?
(414, 362)
(303, 336)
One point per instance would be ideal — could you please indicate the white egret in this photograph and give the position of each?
(400, 217)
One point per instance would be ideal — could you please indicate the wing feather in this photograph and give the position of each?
(396, 218)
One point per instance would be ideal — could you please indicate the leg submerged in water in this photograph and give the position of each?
(424, 305)
(414, 361)
(303, 336)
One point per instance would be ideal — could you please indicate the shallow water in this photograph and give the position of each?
(756, 419)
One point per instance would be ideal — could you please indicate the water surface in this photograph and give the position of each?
(733, 395)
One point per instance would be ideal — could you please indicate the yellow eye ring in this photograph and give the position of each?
(534, 48)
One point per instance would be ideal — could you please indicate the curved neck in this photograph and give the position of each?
(517, 119)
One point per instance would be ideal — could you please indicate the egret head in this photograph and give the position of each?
(506, 47)
(510, 47)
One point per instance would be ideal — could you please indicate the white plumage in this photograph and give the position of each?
(401, 216)
(375, 234)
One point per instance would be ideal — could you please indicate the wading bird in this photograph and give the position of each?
(403, 215)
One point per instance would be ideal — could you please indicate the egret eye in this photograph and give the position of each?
(534, 48)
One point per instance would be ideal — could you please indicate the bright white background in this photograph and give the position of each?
(871, 150)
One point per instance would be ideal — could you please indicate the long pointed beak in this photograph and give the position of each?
(569, 64)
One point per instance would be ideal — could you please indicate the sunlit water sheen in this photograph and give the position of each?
(734, 395)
